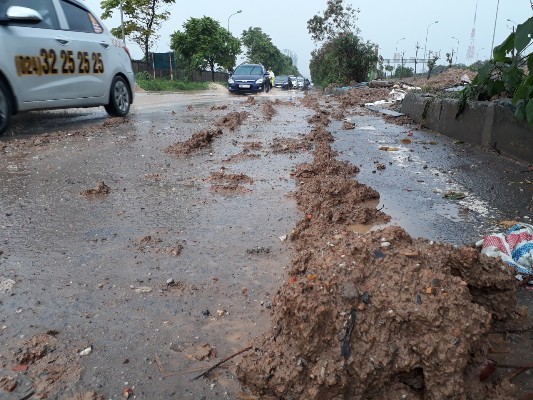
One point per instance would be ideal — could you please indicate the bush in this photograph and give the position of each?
(143, 75)
(167, 85)
(341, 60)
(403, 72)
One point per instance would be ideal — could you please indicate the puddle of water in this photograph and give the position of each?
(365, 228)
(451, 211)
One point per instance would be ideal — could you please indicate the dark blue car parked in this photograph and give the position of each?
(248, 78)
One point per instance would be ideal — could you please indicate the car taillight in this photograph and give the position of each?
(127, 51)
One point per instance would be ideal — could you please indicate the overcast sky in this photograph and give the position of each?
(384, 22)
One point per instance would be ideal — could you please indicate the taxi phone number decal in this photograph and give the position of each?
(48, 62)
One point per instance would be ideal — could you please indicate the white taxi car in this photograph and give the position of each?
(57, 54)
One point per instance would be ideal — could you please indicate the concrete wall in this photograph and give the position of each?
(490, 124)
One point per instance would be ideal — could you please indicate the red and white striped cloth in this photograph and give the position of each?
(514, 247)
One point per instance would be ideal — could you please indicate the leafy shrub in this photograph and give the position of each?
(505, 74)
(143, 75)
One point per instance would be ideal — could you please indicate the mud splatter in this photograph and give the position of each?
(100, 189)
(216, 108)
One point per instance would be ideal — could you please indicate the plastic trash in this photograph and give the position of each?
(515, 247)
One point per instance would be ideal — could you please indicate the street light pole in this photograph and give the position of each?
(494, 32)
(425, 45)
(396, 51)
(238, 12)
(457, 52)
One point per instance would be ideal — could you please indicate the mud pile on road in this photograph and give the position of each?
(233, 119)
(198, 141)
(268, 110)
(100, 189)
(376, 315)
(360, 96)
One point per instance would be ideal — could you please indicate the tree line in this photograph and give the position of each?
(342, 55)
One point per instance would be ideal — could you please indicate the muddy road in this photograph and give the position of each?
(136, 253)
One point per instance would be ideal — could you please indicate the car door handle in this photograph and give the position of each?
(105, 45)
(62, 40)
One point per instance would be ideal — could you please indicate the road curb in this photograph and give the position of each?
(489, 124)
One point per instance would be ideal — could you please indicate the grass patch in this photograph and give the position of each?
(167, 85)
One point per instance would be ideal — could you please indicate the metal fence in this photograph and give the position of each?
(163, 65)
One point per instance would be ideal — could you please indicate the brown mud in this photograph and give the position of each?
(378, 315)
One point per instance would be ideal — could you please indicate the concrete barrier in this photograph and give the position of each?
(490, 124)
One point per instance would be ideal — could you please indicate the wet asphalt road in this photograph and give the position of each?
(77, 261)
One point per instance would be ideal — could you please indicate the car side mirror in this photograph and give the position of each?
(22, 14)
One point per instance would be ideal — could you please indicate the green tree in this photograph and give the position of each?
(206, 45)
(389, 68)
(344, 57)
(337, 19)
(403, 71)
(432, 61)
(261, 50)
(449, 58)
(143, 19)
(342, 60)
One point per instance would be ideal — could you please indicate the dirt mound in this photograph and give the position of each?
(197, 141)
(100, 189)
(310, 101)
(289, 145)
(321, 117)
(362, 95)
(268, 110)
(44, 364)
(233, 120)
(449, 78)
(378, 315)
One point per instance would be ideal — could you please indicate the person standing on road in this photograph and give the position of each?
(271, 76)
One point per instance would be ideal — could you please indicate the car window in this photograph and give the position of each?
(248, 70)
(79, 19)
(44, 7)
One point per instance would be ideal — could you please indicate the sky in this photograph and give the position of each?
(395, 26)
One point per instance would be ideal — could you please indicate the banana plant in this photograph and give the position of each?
(505, 75)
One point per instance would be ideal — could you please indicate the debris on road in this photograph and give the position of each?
(6, 284)
(199, 140)
(515, 247)
(100, 189)
(377, 315)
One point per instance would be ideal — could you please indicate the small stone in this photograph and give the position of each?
(385, 244)
(365, 298)
(170, 281)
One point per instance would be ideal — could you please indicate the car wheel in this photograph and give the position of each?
(5, 108)
(119, 98)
